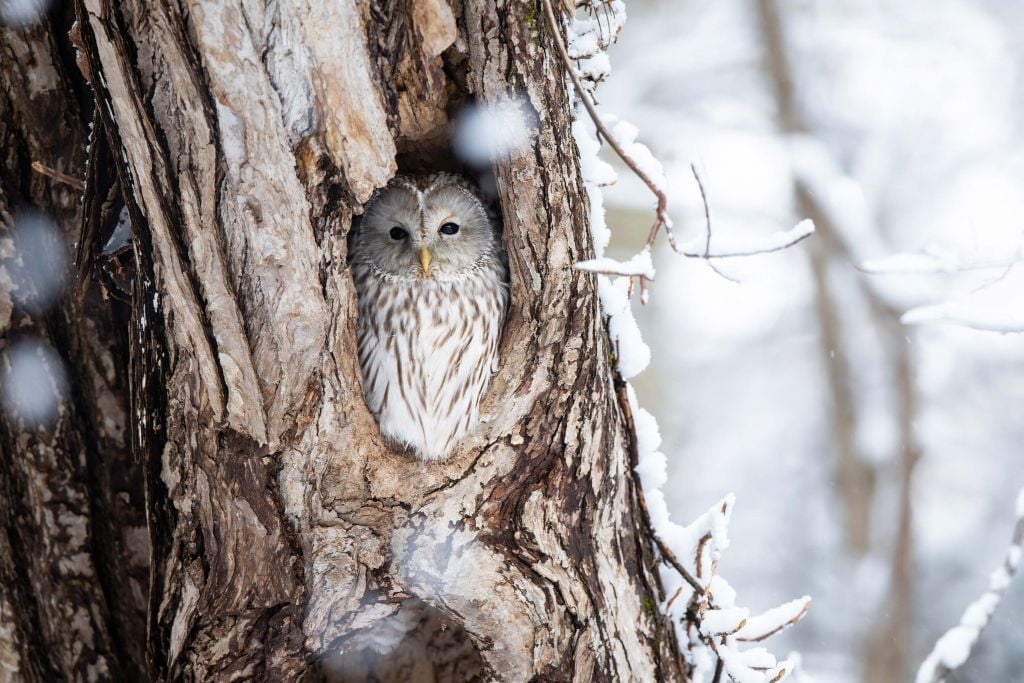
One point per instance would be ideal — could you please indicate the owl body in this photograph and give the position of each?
(432, 305)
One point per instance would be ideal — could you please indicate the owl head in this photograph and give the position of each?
(426, 226)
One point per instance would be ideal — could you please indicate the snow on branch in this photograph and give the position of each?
(747, 246)
(993, 307)
(710, 621)
(639, 265)
(774, 620)
(966, 312)
(588, 37)
(701, 605)
(936, 261)
(954, 647)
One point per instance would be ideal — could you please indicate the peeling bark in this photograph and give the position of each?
(285, 538)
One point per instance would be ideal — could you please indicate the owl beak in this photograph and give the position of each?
(425, 260)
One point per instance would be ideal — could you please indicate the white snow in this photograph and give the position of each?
(588, 36)
(726, 620)
(774, 619)
(485, 133)
(699, 545)
(954, 647)
(732, 246)
(756, 665)
(22, 12)
(722, 592)
(632, 353)
(626, 134)
(1013, 556)
(638, 265)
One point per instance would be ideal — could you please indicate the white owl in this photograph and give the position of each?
(432, 281)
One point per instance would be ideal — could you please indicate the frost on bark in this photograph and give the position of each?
(287, 538)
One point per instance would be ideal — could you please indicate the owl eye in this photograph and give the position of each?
(398, 234)
(449, 228)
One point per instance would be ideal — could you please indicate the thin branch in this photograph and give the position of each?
(645, 516)
(707, 221)
(699, 563)
(953, 649)
(661, 218)
(719, 668)
(744, 253)
(668, 604)
(666, 553)
(68, 180)
(777, 629)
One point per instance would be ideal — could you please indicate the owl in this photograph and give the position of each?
(432, 283)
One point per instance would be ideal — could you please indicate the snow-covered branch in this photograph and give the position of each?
(726, 247)
(639, 265)
(701, 605)
(936, 261)
(1003, 317)
(587, 40)
(994, 307)
(954, 647)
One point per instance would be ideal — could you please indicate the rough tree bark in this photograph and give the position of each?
(73, 542)
(285, 538)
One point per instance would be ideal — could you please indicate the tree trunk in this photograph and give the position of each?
(74, 551)
(286, 539)
(886, 643)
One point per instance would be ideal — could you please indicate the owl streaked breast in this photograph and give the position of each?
(432, 285)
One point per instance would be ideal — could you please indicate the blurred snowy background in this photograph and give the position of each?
(875, 462)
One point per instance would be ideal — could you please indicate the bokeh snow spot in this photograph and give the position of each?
(38, 267)
(34, 382)
(483, 134)
(23, 12)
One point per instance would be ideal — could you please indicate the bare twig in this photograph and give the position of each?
(68, 180)
(707, 221)
(700, 553)
(666, 553)
(668, 604)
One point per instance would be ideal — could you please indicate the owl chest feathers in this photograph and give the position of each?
(427, 350)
